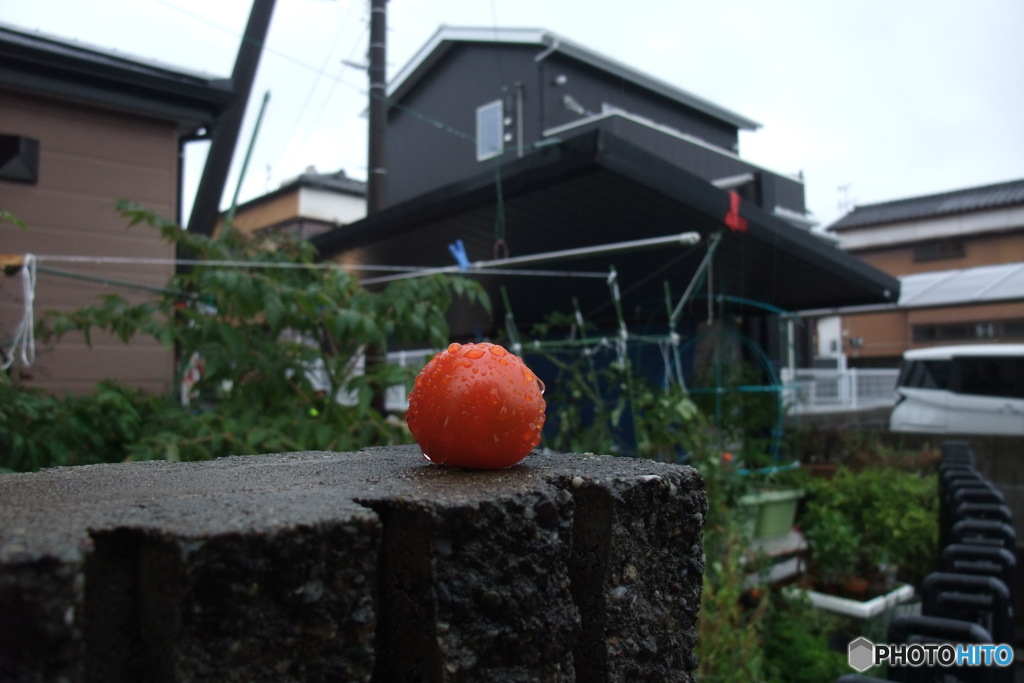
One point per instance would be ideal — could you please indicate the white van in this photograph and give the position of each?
(970, 389)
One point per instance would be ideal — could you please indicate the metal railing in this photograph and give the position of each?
(812, 389)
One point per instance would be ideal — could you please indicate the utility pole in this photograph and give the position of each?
(376, 186)
(206, 207)
(376, 176)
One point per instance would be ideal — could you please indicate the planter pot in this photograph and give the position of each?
(770, 514)
(857, 609)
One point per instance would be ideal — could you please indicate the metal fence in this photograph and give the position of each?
(811, 389)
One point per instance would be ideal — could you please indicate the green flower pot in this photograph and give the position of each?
(770, 514)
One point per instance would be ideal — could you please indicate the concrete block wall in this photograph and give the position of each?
(367, 566)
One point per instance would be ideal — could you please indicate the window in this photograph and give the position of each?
(19, 159)
(989, 376)
(490, 140)
(985, 330)
(924, 374)
(938, 250)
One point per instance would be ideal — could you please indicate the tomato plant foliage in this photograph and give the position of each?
(278, 335)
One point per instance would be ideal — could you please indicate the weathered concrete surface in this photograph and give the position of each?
(351, 566)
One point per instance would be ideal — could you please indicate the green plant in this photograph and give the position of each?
(731, 628)
(894, 511)
(796, 643)
(745, 412)
(834, 544)
(279, 338)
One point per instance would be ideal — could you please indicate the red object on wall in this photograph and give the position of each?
(733, 219)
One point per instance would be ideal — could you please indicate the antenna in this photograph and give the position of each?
(845, 204)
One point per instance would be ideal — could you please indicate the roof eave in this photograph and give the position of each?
(45, 66)
(447, 36)
(578, 157)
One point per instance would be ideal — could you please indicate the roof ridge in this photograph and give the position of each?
(946, 193)
(551, 42)
(962, 200)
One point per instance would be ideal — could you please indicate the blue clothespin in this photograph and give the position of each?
(458, 252)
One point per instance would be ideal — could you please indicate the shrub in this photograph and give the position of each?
(279, 339)
(894, 511)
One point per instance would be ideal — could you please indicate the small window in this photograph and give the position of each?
(19, 159)
(490, 140)
(985, 330)
(939, 250)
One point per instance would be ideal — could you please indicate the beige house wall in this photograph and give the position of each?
(888, 334)
(89, 158)
(978, 251)
(271, 212)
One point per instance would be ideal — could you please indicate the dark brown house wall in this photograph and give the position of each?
(89, 159)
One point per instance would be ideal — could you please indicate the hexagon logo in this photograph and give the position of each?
(861, 654)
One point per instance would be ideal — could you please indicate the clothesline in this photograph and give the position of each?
(222, 263)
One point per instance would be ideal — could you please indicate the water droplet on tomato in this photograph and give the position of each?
(453, 347)
(474, 353)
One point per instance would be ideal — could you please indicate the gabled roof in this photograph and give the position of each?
(547, 43)
(337, 182)
(928, 206)
(597, 189)
(32, 62)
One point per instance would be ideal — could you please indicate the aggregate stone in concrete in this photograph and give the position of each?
(373, 566)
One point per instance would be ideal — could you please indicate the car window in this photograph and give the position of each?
(990, 376)
(924, 374)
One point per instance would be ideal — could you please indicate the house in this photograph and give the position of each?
(473, 96)
(81, 129)
(305, 206)
(960, 258)
(520, 142)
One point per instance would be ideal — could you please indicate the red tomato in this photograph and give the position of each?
(478, 406)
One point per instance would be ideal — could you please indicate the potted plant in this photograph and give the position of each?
(773, 494)
(875, 525)
(835, 552)
(770, 512)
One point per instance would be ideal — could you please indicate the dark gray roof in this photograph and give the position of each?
(597, 189)
(32, 62)
(548, 42)
(335, 182)
(332, 182)
(941, 204)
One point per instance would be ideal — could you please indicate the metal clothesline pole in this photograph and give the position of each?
(681, 239)
(705, 264)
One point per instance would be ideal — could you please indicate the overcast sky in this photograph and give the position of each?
(889, 98)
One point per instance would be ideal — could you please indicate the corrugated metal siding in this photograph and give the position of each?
(89, 159)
